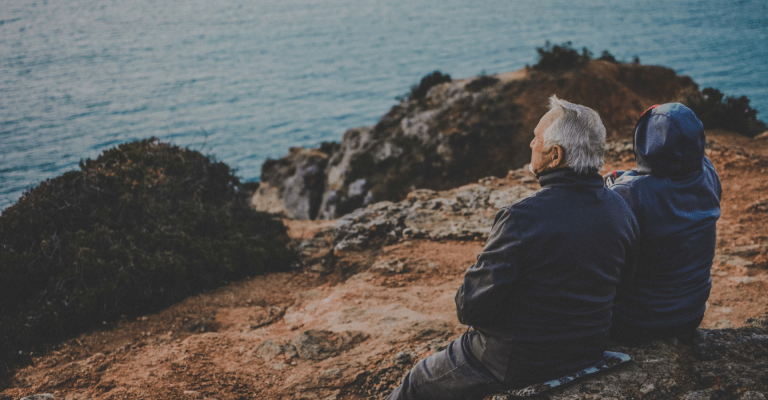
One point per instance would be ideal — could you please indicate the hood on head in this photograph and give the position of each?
(669, 141)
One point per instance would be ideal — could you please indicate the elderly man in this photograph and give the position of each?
(539, 297)
(675, 196)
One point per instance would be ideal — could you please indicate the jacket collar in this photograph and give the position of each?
(565, 177)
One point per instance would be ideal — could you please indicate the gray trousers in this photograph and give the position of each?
(456, 372)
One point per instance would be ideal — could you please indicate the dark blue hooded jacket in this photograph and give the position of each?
(543, 286)
(675, 195)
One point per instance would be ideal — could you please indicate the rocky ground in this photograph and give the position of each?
(375, 295)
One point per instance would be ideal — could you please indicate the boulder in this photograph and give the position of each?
(293, 185)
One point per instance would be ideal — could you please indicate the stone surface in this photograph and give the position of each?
(402, 358)
(733, 260)
(716, 364)
(762, 136)
(293, 185)
(42, 396)
(329, 375)
(425, 330)
(620, 146)
(464, 213)
(319, 344)
(268, 350)
(96, 358)
(747, 251)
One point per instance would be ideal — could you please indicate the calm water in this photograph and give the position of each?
(246, 80)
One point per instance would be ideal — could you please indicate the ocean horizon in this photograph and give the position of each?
(246, 81)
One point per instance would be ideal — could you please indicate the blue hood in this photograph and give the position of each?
(669, 141)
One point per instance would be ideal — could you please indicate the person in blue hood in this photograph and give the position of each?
(539, 297)
(675, 195)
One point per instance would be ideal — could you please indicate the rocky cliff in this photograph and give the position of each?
(459, 132)
(374, 296)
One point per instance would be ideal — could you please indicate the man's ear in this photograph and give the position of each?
(558, 157)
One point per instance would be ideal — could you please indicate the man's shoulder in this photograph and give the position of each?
(630, 183)
(526, 203)
(630, 179)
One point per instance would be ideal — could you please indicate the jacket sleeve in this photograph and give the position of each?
(488, 284)
(632, 257)
(718, 188)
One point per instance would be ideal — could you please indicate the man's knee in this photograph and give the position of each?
(449, 374)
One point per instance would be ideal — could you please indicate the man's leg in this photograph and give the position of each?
(452, 374)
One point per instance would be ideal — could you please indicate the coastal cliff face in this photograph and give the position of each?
(458, 133)
(374, 295)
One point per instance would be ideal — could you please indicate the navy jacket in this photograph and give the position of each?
(546, 279)
(675, 195)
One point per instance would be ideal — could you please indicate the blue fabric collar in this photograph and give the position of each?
(568, 177)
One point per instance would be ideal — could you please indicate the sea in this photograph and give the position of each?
(245, 80)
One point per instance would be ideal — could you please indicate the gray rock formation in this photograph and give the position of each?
(459, 132)
(464, 213)
(293, 185)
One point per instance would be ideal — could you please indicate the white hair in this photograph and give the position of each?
(580, 132)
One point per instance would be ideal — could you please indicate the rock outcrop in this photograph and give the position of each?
(458, 133)
(717, 364)
(463, 213)
(294, 184)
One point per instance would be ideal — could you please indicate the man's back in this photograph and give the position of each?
(675, 195)
(545, 282)
(540, 294)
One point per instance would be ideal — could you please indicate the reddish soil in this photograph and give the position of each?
(400, 297)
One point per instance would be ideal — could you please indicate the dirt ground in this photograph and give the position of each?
(253, 339)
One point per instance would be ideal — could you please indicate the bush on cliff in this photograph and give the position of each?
(560, 57)
(729, 113)
(481, 82)
(143, 225)
(427, 82)
(607, 56)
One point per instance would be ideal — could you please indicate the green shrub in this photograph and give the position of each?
(481, 83)
(140, 227)
(427, 82)
(607, 56)
(560, 57)
(729, 113)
